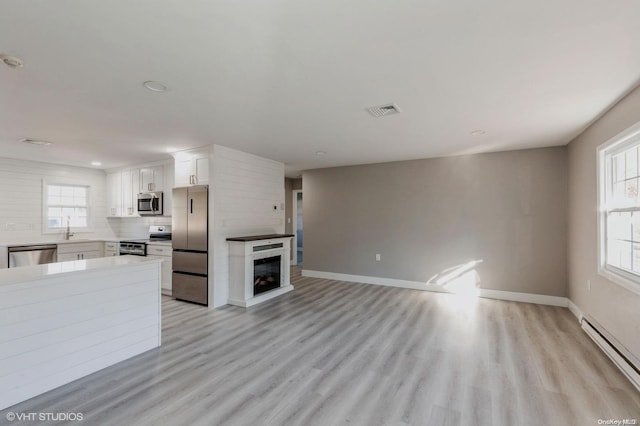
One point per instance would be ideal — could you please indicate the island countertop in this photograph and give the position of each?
(36, 272)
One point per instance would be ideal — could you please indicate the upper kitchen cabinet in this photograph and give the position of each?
(169, 175)
(123, 187)
(122, 193)
(192, 167)
(114, 194)
(152, 179)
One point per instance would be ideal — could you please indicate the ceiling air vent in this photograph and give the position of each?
(383, 110)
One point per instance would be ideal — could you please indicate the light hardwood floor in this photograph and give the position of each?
(333, 353)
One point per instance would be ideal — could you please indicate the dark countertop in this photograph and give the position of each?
(260, 237)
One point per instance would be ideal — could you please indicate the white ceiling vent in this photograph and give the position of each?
(383, 110)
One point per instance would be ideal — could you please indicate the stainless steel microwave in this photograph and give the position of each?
(150, 203)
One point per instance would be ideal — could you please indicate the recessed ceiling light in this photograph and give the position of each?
(96, 163)
(11, 61)
(320, 153)
(478, 132)
(155, 86)
(36, 142)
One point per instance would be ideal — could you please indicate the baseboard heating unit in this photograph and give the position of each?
(626, 362)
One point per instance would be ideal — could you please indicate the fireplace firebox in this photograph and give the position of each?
(266, 274)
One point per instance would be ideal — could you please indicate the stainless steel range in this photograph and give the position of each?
(135, 247)
(139, 247)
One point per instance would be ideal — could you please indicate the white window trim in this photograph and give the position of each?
(45, 205)
(616, 144)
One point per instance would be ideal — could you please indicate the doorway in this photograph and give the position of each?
(297, 227)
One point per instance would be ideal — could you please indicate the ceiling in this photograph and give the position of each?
(284, 79)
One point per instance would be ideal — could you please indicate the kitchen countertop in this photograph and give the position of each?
(36, 272)
(77, 241)
(57, 242)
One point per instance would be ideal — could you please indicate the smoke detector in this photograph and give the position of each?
(384, 110)
(155, 86)
(11, 61)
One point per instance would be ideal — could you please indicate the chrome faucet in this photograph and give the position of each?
(68, 234)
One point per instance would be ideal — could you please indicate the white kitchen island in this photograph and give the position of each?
(62, 321)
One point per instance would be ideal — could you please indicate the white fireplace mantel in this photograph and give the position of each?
(243, 251)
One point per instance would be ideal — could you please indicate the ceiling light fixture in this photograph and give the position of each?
(155, 86)
(478, 132)
(321, 153)
(36, 142)
(96, 163)
(11, 61)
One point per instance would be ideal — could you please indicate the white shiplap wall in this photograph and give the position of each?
(21, 195)
(244, 190)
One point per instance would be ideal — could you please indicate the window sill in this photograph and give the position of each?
(620, 279)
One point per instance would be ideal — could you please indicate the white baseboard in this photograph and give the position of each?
(575, 310)
(613, 350)
(539, 299)
(514, 296)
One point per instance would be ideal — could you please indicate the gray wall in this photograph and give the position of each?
(615, 308)
(507, 209)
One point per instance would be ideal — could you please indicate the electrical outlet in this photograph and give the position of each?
(378, 257)
(589, 284)
(288, 220)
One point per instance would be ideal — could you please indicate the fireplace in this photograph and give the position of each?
(258, 268)
(266, 274)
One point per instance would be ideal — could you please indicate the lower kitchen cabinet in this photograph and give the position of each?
(79, 251)
(111, 248)
(162, 252)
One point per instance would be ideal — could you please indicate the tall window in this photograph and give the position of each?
(67, 203)
(619, 164)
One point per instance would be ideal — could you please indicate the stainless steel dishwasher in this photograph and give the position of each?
(32, 255)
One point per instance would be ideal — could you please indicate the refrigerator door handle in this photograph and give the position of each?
(191, 206)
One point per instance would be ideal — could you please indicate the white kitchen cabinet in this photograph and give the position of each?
(114, 194)
(169, 176)
(192, 167)
(163, 252)
(79, 251)
(130, 185)
(152, 179)
(111, 248)
(123, 193)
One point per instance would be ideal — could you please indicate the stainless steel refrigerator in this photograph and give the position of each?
(190, 241)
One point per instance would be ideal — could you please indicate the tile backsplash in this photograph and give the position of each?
(135, 227)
